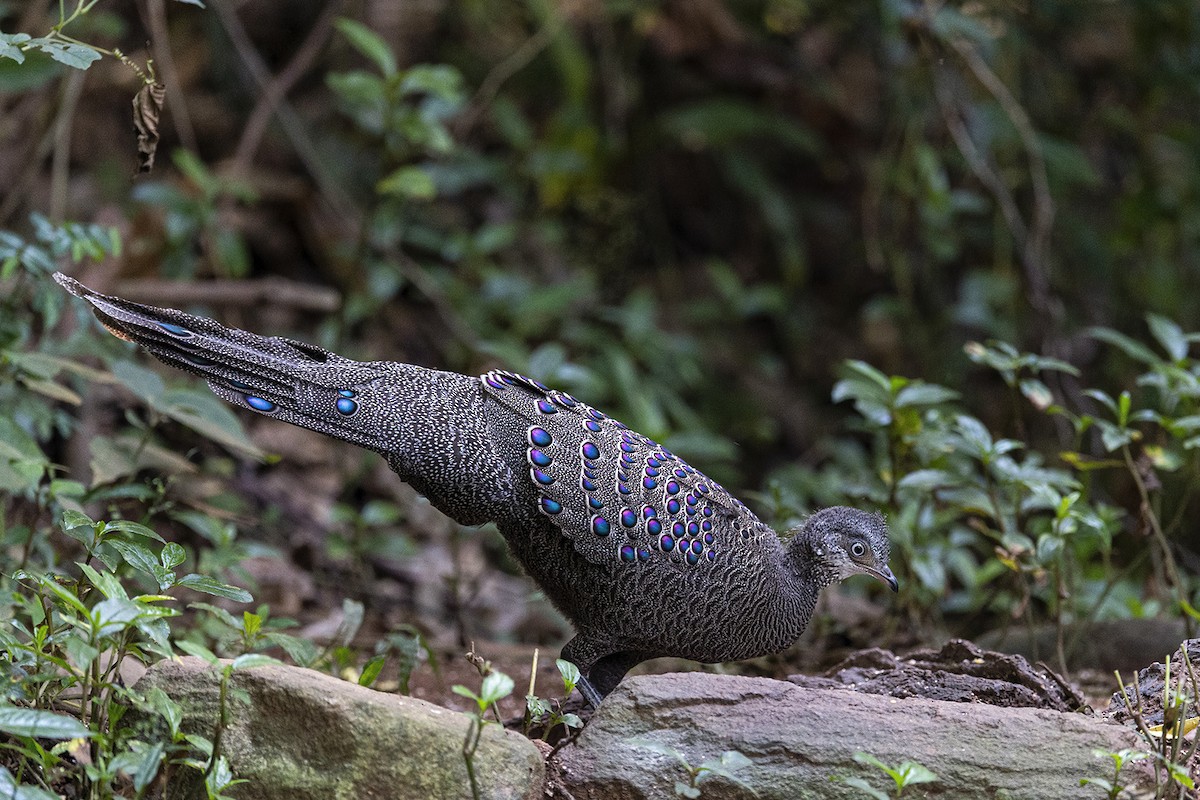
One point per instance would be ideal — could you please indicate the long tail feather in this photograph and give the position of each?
(299, 383)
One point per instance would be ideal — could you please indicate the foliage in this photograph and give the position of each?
(494, 688)
(907, 774)
(549, 713)
(724, 766)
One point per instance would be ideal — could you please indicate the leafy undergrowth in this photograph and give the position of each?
(132, 553)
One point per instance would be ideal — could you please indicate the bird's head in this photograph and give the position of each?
(841, 542)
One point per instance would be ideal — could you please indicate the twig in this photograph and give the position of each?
(281, 84)
(181, 118)
(229, 293)
(60, 161)
(293, 126)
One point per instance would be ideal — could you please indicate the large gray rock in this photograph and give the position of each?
(798, 739)
(297, 734)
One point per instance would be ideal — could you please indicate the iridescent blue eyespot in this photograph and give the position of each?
(199, 361)
(595, 502)
(697, 546)
(600, 526)
(653, 462)
(244, 387)
(628, 518)
(621, 426)
(693, 557)
(347, 393)
(345, 406)
(672, 487)
(678, 529)
(175, 330)
(706, 525)
(591, 425)
(672, 506)
(648, 512)
(710, 555)
(546, 407)
(540, 437)
(703, 488)
(623, 488)
(550, 506)
(590, 450)
(651, 472)
(708, 538)
(258, 404)
(684, 545)
(538, 458)
(545, 479)
(594, 414)
(588, 472)
(587, 485)
(643, 554)
(666, 542)
(691, 499)
(679, 473)
(622, 475)
(653, 527)
(627, 447)
(649, 483)
(693, 529)
(628, 553)
(708, 512)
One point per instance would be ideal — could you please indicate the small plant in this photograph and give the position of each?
(724, 766)
(1169, 748)
(495, 687)
(549, 713)
(1119, 758)
(907, 774)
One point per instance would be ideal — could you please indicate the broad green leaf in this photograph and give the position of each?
(924, 394)
(199, 651)
(43, 724)
(367, 42)
(252, 660)
(1169, 335)
(411, 182)
(495, 686)
(135, 528)
(9, 788)
(203, 583)
(1131, 347)
(371, 671)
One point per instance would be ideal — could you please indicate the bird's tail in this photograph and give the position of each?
(296, 382)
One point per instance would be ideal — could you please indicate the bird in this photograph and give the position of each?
(644, 554)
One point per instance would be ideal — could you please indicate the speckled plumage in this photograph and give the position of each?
(645, 555)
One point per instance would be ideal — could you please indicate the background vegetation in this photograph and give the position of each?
(938, 258)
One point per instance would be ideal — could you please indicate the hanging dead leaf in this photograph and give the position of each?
(147, 105)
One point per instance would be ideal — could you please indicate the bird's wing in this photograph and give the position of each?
(618, 495)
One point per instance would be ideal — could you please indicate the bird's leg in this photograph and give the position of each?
(610, 669)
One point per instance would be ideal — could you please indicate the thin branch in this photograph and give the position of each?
(181, 118)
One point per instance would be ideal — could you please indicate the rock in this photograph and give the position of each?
(296, 734)
(959, 672)
(798, 739)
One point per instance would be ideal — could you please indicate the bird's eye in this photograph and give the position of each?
(858, 549)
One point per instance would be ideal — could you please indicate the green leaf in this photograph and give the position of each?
(496, 685)
(863, 786)
(371, 671)
(367, 42)
(199, 651)
(73, 55)
(569, 672)
(411, 182)
(924, 394)
(8, 46)
(9, 788)
(172, 555)
(135, 528)
(76, 519)
(1169, 335)
(42, 724)
(203, 583)
(148, 766)
(1131, 347)
(252, 660)
(912, 772)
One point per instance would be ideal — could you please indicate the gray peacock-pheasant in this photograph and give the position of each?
(645, 555)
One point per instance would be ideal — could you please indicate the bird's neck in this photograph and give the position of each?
(807, 559)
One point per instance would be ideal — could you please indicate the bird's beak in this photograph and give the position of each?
(885, 574)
